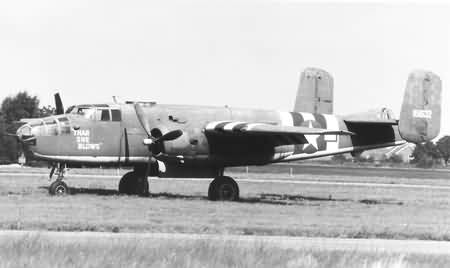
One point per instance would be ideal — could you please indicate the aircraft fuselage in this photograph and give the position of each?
(112, 135)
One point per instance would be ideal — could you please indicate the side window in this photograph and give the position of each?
(105, 115)
(52, 128)
(65, 125)
(116, 115)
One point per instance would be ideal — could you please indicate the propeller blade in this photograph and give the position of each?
(142, 119)
(169, 136)
(58, 104)
(29, 140)
(157, 146)
(9, 134)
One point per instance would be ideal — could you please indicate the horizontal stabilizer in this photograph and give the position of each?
(383, 116)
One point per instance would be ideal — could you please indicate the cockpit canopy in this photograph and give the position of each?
(97, 112)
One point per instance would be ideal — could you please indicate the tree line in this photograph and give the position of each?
(14, 108)
(429, 154)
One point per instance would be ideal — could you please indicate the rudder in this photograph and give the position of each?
(420, 117)
(315, 92)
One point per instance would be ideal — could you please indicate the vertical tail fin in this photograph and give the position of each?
(315, 92)
(420, 117)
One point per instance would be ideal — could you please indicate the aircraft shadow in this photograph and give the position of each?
(264, 198)
(92, 191)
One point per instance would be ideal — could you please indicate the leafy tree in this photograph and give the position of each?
(395, 158)
(45, 111)
(20, 106)
(443, 145)
(8, 144)
(14, 108)
(338, 158)
(425, 154)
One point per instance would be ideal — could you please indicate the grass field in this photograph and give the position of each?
(266, 208)
(37, 251)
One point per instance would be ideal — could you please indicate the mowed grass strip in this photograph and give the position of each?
(266, 209)
(40, 251)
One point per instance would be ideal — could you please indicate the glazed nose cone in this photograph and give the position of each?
(25, 135)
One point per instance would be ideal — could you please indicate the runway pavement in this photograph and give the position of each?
(282, 181)
(283, 242)
(356, 171)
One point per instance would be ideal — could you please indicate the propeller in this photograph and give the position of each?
(9, 134)
(155, 139)
(58, 104)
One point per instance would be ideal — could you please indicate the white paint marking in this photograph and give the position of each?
(286, 119)
(161, 166)
(317, 154)
(231, 125)
(213, 125)
(312, 138)
(425, 114)
(308, 117)
(332, 140)
(252, 126)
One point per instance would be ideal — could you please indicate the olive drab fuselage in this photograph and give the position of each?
(112, 135)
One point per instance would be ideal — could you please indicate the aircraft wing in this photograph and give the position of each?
(284, 134)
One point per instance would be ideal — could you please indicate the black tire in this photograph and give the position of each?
(223, 189)
(133, 183)
(59, 188)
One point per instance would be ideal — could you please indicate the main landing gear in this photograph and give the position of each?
(223, 188)
(58, 187)
(134, 183)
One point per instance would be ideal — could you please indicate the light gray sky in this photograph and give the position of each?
(240, 53)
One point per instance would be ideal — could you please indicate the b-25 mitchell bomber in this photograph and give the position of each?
(201, 141)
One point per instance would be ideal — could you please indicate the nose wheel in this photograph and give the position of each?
(58, 187)
(223, 188)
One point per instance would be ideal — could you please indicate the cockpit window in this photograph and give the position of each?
(52, 128)
(116, 115)
(37, 123)
(88, 113)
(105, 115)
(78, 110)
(49, 121)
(63, 119)
(64, 125)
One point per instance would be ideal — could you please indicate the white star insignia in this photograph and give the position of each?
(312, 141)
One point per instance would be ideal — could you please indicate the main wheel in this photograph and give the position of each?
(58, 188)
(224, 189)
(134, 183)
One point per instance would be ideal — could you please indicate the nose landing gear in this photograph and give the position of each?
(58, 187)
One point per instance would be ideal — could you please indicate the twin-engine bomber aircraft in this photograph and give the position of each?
(200, 141)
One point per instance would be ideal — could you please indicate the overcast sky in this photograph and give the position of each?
(240, 53)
